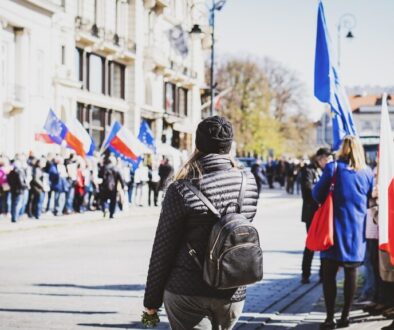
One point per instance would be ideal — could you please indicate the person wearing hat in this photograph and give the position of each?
(174, 277)
(310, 175)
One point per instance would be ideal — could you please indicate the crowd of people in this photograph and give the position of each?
(286, 173)
(31, 185)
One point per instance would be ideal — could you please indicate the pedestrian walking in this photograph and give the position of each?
(257, 172)
(354, 184)
(310, 175)
(165, 172)
(141, 178)
(270, 170)
(80, 189)
(174, 274)
(18, 187)
(111, 177)
(153, 184)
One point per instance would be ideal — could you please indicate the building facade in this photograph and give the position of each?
(100, 61)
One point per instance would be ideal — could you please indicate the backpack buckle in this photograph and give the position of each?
(192, 252)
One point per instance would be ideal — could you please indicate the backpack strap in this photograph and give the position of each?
(204, 199)
(241, 196)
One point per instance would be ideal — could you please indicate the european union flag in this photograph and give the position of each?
(328, 87)
(146, 136)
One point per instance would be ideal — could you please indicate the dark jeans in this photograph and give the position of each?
(4, 202)
(201, 313)
(78, 202)
(372, 280)
(153, 188)
(130, 187)
(35, 203)
(68, 208)
(111, 196)
(58, 207)
(307, 259)
(16, 205)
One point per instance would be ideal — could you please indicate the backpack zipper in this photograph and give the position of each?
(217, 238)
(230, 249)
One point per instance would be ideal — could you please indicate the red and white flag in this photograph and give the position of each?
(386, 183)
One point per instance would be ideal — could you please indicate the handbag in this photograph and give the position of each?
(321, 232)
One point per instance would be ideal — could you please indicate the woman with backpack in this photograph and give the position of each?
(353, 186)
(205, 194)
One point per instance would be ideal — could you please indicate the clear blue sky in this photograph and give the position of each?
(285, 30)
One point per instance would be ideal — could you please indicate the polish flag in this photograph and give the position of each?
(60, 134)
(123, 143)
(386, 183)
(76, 128)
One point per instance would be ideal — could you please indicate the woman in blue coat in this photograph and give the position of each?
(354, 184)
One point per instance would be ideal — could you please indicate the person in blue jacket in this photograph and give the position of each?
(354, 184)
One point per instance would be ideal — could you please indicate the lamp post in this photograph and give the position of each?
(347, 21)
(216, 6)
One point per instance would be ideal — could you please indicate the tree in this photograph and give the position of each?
(264, 105)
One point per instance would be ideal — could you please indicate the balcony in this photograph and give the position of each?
(15, 99)
(107, 43)
(158, 60)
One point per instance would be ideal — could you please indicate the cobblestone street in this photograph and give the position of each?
(87, 273)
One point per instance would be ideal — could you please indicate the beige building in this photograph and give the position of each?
(100, 61)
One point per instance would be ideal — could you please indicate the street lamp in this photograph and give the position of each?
(347, 21)
(216, 6)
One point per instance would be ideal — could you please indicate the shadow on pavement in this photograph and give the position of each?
(21, 310)
(284, 251)
(133, 325)
(115, 287)
(69, 295)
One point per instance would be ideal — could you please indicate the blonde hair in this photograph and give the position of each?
(192, 168)
(352, 152)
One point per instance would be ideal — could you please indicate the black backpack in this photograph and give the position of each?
(233, 257)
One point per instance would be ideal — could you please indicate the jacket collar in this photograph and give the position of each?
(215, 162)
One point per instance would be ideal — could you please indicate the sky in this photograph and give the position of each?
(285, 30)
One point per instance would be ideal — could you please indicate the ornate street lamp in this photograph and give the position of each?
(347, 21)
(216, 6)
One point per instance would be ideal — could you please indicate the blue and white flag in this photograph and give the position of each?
(328, 87)
(146, 136)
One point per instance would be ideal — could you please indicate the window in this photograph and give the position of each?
(78, 55)
(97, 124)
(366, 126)
(182, 101)
(116, 85)
(148, 92)
(169, 97)
(63, 55)
(97, 120)
(96, 74)
(40, 72)
(116, 116)
(3, 65)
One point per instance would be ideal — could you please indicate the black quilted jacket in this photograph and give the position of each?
(185, 218)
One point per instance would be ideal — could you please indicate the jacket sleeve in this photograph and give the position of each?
(169, 235)
(322, 187)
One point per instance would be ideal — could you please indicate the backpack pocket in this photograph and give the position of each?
(239, 265)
